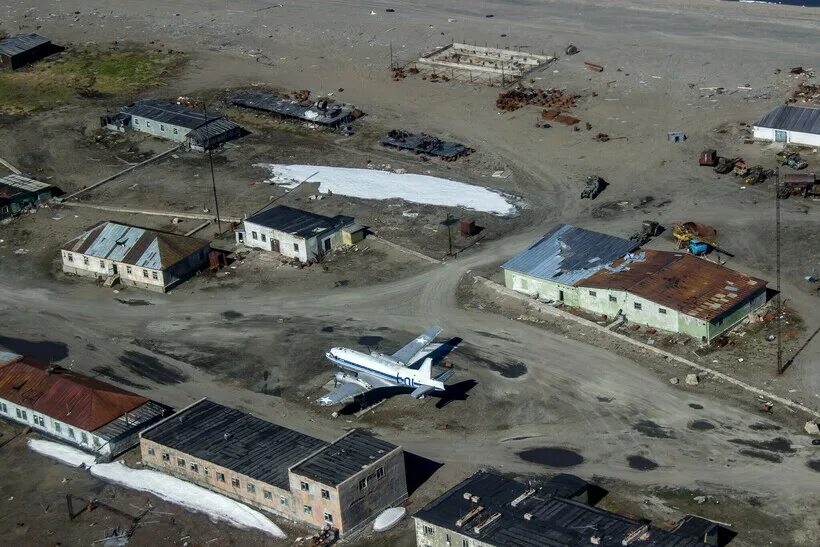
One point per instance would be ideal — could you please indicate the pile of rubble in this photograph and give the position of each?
(302, 95)
(805, 93)
(554, 99)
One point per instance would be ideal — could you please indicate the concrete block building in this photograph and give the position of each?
(148, 259)
(295, 233)
(17, 191)
(176, 123)
(92, 415)
(341, 485)
(489, 510)
(23, 49)
(790, 124)
(602, 274)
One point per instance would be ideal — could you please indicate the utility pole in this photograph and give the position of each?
(449, 223)
(779, 301)
(211, 161)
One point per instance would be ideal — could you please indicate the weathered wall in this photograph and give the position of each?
(545, 290)
(307, 247)
(795, 137)
(161, 130)
(312, 498)
(722, 324)
(430, 535)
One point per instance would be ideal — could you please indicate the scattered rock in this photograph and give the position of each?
(812, 428)
(674, 381)
(692, 379)
(700, 499)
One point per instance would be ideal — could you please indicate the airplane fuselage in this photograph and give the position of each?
(382, 366)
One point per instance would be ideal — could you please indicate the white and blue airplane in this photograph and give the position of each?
(410, 367)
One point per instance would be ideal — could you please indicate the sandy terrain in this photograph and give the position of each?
(518, 385)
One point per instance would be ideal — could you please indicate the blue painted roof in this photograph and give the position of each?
(568, 254)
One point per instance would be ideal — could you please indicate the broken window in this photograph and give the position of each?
(195, 468)
(328, 518)
(161, 127)
(84, 437)
(180, 462)
(144, 273)
(220, 477)
(102, 264)
(264, 238)
(612, 298)
(307, 509)
(150, 451)
(305, 487)
(166, 457)
(637, 305)
(254, 235)
(428, 530)
(362, 484)
(251, 488)
(4, 408)
(70, 432)
(128, 270)
(283, 500)
(154, 275)
(325, 494)
(175, 131)
(70, 257)
(85, 260)
(57, 427)
(268, 494)
(379, 472)
(296, 247)
(235, 482)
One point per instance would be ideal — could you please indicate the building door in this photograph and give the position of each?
(560, 296)
(779, 136)
(274, 245)
(326, 244)
(114, 269)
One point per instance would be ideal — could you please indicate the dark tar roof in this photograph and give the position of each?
(241, 442)
(344, 458)
(179, 115)
(424, 144)
(803, 119)
(554, 520)
(568, 254)
(298, 222)
(20, 43)
(329, 114)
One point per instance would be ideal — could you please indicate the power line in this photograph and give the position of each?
(211, 161)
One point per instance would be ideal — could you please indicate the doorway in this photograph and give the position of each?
(780, 136)
(274, 245)
(560, 296)
(326, 245)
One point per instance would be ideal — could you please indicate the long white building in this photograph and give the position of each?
(790, 124)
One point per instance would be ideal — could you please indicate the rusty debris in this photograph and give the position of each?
(594, 66)
(303, 95)
(557, 116)
(601, 137)
(519, 97)
(805, 93)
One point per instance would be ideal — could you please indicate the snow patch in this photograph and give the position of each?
(374, 184)
(190, 496)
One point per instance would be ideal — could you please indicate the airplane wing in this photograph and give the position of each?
(346, 391)
(406, 354)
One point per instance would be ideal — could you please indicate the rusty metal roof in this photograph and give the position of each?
(133, 245)
(64, 395)
(691, 285)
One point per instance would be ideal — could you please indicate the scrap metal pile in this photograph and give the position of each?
(723, 166)
(519, 97)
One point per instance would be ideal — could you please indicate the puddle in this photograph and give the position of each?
(701, 425)
(641, 464)
(552, 456)
(509, 370)
(696, 406)
(765, 456)
(327, 329)
(814, 465)
(109, 373)
(149, 367)
(230, 315)
(651, 429)
(370, 341)
(779, 444)
(133, 302)
(764, 427)
(42, 351)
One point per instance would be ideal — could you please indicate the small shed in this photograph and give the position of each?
(790, 124)
(22, 49)
(17, 192)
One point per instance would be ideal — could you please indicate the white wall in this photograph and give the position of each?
(162, 130)
(307, 247)
(88, 266)
(793, 137)
(66, 433)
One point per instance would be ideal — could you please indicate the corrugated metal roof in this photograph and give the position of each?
(235, 440)
(552, 519)
(141, 247)
(170, 113)
(64, 395)
(20, 43)
(344, 458)
(297, 222)
(691, 285)
(138, 418)
(334, 114)
(804, 119)
(13, 185)
(567, 254)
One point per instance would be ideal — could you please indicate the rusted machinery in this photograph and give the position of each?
(685, 232)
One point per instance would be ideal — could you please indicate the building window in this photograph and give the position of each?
(57, 427)
(662, 311)
(175, 131)
(637, 305)
(144, 273)
(136, 121)
(296, 247)
(147, 124)
(220, 477)
(307, 509)
(195, 468)
(283, 500)
(235, 482)
(180, 462)
(206, 471)
(38, 420)
(22, 414)
(102, 264)
(268, 494)
(328, 518)
(325, 494)
(251, 488)
(4, 408)
(427, 530)
(305, 487)
(70, 432)
(447, 538)
(465, 543)
(166, 457)
(362, 484)
(161, 127)
(128, 270)
(612, 298)
(70, 257)
(154, 275)
(96, 442)
(379, 472)
(264, 237)
(83, 437)
(593, 293)
(254, 235)
(150, 451)
(85, 261)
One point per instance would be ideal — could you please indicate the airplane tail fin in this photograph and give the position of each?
(426, 374)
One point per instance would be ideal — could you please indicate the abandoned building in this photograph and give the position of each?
(489, 510)
(790, 124)
(134, 256)
(425, 144)
(295, 233)
(75, 409)
(603, 274)
(343, 484)
(476, 63)
(17, 192)
(320, 112)
(193, 128)
(23, 49)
